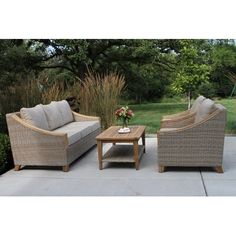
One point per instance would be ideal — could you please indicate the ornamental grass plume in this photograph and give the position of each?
(100, 94)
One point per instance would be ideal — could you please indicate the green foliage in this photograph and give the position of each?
(16, 60)
(146, 64)
(5, 152)
(152, 68)
(223, 62)
(192, 69)
(224, 56)
(206, 89)
(230, 104)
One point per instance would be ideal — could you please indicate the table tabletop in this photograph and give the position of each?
(111, 134)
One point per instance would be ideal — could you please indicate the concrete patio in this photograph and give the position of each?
(85, 179)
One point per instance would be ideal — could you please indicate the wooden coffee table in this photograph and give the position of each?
(121, 153)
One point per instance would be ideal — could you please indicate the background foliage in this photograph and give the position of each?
(5, 152)
(40, 70)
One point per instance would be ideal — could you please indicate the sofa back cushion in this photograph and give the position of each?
(197, 103)
(53, 115)
(206, 108)
(58, 114)
(35, 116)
(65, 111)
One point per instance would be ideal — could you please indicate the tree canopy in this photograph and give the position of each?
(152, 68)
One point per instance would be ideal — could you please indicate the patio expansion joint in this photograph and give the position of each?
(203, 183)
(100, 178)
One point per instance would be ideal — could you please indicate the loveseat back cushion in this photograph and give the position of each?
(35, 116)
(206, 108)
(65, 111)
(53, 115)
(197, 103)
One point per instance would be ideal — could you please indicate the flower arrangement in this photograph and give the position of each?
(124, 114)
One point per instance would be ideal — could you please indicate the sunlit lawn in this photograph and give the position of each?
(230, 104)
(150, 114)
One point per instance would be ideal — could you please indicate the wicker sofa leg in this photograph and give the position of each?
(219, 169)
(65, 168)
(17, 167)
(161, 169)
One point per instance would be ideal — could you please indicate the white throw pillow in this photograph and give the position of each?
(197, 103)
(206, 108)
(53, 115)
(35, 116)
(65, 111)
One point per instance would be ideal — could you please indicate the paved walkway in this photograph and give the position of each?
(84, 178)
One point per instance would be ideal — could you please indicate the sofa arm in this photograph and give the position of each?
(178, 122)
(24, 135)
(81, 117)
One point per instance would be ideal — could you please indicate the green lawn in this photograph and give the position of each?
(150, 114)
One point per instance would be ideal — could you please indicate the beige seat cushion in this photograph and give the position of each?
(35, 116)
(78, 130)
(53, 115)
(197, 103)
(65, 112)
(168, 129)
(206, 108)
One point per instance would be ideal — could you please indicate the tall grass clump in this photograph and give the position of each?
(100, 94)
(56, 90)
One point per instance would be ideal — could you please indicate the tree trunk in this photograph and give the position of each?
(189, 99)
(232, 93)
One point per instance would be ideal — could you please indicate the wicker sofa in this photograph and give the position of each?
(196, 139)
(50, 135)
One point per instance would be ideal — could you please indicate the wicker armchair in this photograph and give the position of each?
(33, 146)
(193, 143)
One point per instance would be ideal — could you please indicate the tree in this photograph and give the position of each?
(144, 63)
(223, 61)
(16, 61)
(193, 67)
(232, 77)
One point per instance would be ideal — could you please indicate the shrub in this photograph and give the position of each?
(206, 89)
(100, 94)
(5, 152)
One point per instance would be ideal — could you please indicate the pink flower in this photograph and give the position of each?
(124, 113)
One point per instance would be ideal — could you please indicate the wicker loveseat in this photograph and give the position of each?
(193, 140)
(50, 135)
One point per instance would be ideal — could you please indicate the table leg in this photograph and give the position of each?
(99, 145)
(143, 140)
(136, 155)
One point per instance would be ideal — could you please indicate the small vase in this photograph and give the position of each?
(125, 123)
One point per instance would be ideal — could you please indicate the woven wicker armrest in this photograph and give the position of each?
(173, 116)
(179, 122)
(24, 134)
(81, 117)
(215, 121)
